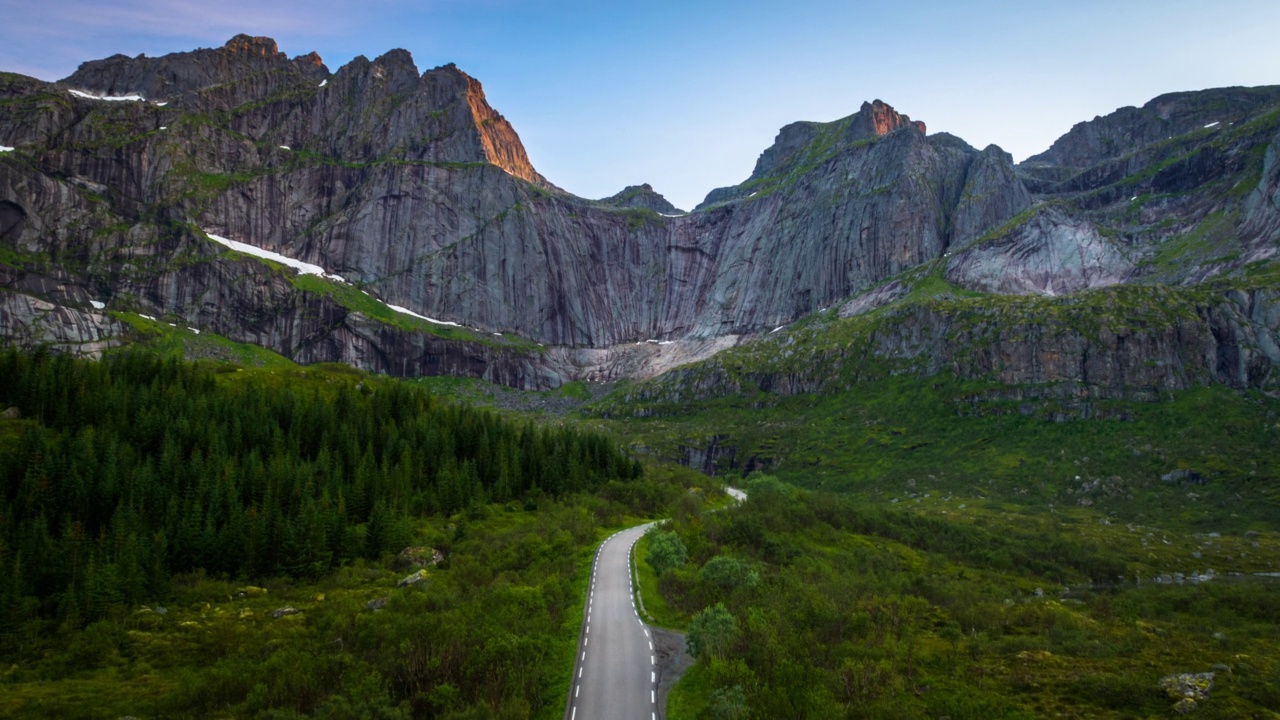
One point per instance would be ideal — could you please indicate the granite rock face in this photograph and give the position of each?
(1050, 254)
(415, 191)
(1053, 351)
(1262, 208)
(414, 188)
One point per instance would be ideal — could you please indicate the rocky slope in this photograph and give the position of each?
(641, 197)
(411, 192)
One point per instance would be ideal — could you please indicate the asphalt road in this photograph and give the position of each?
(615, 676)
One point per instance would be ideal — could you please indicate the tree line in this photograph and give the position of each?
(124, 472)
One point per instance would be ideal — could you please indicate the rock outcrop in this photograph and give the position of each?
(1048, 254)
(641, 197)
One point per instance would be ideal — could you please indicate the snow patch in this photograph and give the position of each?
(407, 311)
(498, 334)
(97, 305)
(164, 127)
(114, 98)
(324, 82)
(776, 329)
(667, 342)
(676, 215)
(284, 147)
(1135, 197)
(146, 316)
(194, 330)
(5, 148)
(161, 104)
(1215, 122)
(303, 268)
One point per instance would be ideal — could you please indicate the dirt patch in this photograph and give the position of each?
(672, 660)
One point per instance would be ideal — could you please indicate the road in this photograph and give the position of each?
(614, 676)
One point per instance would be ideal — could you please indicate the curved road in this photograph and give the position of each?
(614, 675)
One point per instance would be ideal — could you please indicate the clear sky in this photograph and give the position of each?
(685, 95)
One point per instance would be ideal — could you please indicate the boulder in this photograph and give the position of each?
(286, 610)
(1188, 689)
(1181, 475)
(412, 558)
(413, 579)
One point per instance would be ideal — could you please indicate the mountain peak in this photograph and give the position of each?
(642, 197)
(873, 119)
(253, 45)
(877, 118)
(186, 72)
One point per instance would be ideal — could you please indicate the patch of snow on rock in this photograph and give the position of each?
(284, 147)
(324, 82)
(1213, 123)
(407, 311)
(146, 316)
(303, 268)
(97, 305)
(114, 98)
(5, 148)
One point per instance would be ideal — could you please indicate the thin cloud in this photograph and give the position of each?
(50, 39)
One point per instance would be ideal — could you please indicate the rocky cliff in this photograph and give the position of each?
(411, 187)
(438, 248)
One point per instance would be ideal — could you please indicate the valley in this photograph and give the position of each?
(319, 401)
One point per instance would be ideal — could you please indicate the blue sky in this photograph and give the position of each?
(685, 95)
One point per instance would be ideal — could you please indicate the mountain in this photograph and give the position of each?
(641, 197)
(437, 248)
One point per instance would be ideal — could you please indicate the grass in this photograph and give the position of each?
(655, 605)
(352, 298)
(1204, 244)
(689, 696)
(865, 605)
(178, 340)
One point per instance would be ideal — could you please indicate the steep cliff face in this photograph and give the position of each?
(1262, 207)
(413, 190)
(1051, 253)
(1134, 343)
